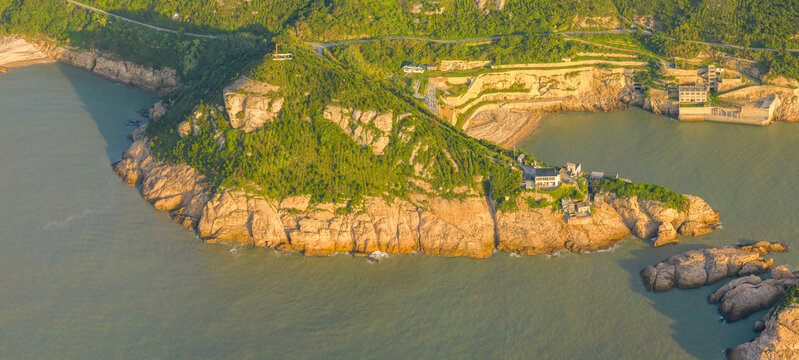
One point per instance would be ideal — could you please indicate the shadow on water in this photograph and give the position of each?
(99, 98)
(696, 324)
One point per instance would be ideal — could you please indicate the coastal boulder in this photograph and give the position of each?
(157, 111)
(696, 268)
(743, 296)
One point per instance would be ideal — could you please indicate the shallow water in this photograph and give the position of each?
(90, 271)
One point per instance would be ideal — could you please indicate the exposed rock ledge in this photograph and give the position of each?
(696, 268)
(102, 64)
(743, 296)
(425, 225)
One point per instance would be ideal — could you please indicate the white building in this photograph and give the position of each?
(546, 178)
(692, 93)
(413, 68)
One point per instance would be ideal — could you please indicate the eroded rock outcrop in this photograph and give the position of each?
(178, 189)
(696, 268)
(367, 128)
(250, 104)
(649, 219)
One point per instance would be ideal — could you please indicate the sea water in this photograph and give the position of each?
(88, 270)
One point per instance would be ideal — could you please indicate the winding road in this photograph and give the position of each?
(138, 22)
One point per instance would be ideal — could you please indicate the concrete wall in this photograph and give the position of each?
(694, 113)
(749, 115)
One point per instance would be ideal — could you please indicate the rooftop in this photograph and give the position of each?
(546, 172)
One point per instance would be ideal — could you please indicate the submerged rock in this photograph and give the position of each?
(696, 268)
(763, 247)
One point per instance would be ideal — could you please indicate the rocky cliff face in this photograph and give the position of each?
(101, 64)
(15, 51)
(428, 225)
(541, 231)
(650, 220)
(126, 72)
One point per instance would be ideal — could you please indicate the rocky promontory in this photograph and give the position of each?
(421, 224)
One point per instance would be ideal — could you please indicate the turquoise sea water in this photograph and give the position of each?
(88, 270)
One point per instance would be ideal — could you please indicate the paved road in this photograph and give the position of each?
(137, 22)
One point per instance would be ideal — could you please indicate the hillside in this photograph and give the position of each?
(332, 133)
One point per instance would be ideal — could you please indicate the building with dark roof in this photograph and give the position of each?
(546, 178)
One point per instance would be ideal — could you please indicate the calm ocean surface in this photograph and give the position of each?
(91, 271)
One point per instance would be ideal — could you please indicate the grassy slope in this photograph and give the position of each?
(302, 153)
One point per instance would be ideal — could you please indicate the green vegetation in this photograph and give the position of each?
(565, 191)
(302, 153)
(624, 189)
(388, 55)
(790, 298)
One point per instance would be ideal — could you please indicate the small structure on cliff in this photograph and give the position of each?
(602, 175)
(573, 169)
(277, 56)
(583, 208)
(413, 68)
(712, 77)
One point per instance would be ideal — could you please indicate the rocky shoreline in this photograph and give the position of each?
(426, 225)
